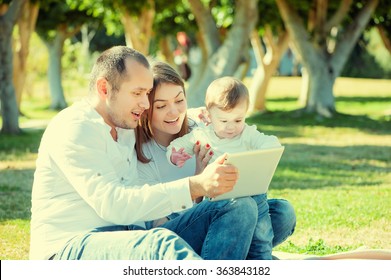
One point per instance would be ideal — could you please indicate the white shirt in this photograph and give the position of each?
(249, 139)
(84, 179)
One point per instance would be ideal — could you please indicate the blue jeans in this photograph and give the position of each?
(220, 230)
(283, 219)
(276, 221)
(127, 243)
(261, 244)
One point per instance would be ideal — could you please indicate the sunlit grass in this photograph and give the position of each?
(353, 96)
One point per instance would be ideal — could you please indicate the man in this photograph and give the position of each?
(85, 202)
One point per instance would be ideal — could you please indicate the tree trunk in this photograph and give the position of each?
(26, 26)
(225, 60)
(85, 55)
(320, 97)
(138, 29)
(167, 50)
(383, 35)
(267, 66)
(55, 49)
(9, 108)
(323, 64)
(198, 59)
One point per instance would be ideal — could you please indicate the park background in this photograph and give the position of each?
(318, 74)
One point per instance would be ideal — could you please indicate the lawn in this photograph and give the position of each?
(336, 172)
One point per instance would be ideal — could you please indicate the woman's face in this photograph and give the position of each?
(169, 111)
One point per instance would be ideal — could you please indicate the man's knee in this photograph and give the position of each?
(287, 212)
(168, 245)
(246, 209)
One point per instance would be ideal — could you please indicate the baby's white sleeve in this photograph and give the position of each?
(187, 142)
(259, 140)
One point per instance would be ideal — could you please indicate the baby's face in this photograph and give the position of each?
(228, 124)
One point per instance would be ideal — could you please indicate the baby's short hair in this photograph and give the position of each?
(225, 93)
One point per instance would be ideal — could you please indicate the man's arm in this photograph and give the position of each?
(83, 156)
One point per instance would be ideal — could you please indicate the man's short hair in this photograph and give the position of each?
(111, 65)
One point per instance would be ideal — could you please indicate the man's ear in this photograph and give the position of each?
(101, 87)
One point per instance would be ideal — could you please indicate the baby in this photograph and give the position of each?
(227, 102)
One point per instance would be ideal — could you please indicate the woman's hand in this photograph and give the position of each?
(203, 154)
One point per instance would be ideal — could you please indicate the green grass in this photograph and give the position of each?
(336, 172)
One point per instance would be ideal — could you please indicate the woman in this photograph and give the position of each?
(166, 120)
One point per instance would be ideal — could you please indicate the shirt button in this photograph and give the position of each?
(98, 174)
(183, 207)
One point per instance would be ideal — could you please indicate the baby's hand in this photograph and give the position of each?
(204, 116)
(179, 157)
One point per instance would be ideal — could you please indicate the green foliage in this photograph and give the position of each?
(172, 17)
(382, 16)
(362, 64)
(376, 48)
(5, 1)
(223, 13)
(268, 14)
(104, 39)
(58, 14)
(104, 11)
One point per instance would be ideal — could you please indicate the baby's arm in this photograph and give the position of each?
(180, 149)
(179, 157)
(199, 115)
(258, 140)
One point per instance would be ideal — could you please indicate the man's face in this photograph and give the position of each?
(125, 106)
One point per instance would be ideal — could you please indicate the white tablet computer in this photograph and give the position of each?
(256, 170)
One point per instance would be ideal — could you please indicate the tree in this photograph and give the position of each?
(324, 44)
(382, 21)
(173, 19)
(223, 53)
(137, 18)
(385, 35)
(268, 52)
(58, 21)
(9, 12)
(21, 45)
(268, 59)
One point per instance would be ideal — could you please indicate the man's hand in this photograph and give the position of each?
(179, 157)
(216, 179)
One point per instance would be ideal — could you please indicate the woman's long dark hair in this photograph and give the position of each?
(163, 73)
